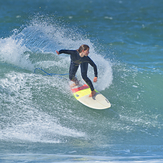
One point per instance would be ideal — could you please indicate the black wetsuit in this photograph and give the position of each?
(76, 60)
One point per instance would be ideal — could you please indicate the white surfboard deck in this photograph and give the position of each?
(82, 92)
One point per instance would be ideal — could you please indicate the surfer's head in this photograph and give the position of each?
(84, 49)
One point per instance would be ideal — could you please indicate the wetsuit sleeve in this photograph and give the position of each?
(93, 65)
(71, 52)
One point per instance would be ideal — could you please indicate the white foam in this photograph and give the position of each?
(13, 52)
(38, 130)
(23, 119)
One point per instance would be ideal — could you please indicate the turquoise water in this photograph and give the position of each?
(40, 121)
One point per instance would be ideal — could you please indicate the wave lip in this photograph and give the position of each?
(12, 51)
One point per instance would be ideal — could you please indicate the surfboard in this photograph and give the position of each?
(82, 92)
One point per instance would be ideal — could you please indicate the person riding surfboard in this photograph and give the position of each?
(80, 57)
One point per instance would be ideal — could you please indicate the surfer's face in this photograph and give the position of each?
(86, 52)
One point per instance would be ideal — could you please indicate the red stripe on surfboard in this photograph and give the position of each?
(80, 88)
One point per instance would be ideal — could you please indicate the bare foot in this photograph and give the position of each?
(92, 93)
(73, 85)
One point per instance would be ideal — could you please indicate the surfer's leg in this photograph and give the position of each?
(84, 69)
(72, 72)
(88, 81)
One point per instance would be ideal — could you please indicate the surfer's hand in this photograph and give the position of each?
(95, 79)
(57, 52)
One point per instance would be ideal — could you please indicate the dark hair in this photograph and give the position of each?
(83, 47)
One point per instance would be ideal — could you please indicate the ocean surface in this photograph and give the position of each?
(40, 120)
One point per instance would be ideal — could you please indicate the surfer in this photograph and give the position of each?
(80, 57)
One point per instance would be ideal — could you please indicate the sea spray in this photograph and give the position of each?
(12, 51)
(35, 45)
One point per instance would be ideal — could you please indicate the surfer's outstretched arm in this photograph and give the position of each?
(70, 52)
